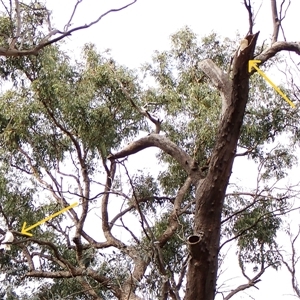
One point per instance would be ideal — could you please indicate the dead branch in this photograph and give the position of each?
(250, 15)
(282, 15)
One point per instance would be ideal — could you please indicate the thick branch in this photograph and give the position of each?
(277, 47)
(88, 288)
(104, 209)
(18, 16)
(219, 79)
(163, 143)
(57, 274)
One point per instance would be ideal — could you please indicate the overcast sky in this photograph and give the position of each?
(134, 34)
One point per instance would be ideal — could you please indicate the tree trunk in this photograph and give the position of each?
(210, 193)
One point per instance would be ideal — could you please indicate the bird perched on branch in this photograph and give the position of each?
(8, 239)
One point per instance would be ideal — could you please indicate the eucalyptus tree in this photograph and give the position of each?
(67, 130)
(26, 27)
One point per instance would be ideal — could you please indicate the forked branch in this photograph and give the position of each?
(250, 15)
(277, 19)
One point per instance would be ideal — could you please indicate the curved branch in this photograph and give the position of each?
(163, 143)
(104, 209)
(277, 47)
(219, 79)
(56, 253)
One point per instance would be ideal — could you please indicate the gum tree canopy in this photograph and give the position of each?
(72, 131)
(26, 27)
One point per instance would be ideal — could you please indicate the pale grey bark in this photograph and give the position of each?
(219, 79)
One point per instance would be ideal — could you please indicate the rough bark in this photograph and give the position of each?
(210, 189)
(210, 193)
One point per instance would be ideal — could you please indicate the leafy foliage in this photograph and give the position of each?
(59, 122)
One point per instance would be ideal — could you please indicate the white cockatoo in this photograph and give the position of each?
(8, 238)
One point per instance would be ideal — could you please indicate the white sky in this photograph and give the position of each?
(134, 34)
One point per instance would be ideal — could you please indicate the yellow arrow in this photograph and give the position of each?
(25, 230)
(252, 64)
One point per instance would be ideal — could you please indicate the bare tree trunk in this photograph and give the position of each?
(204, 245)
